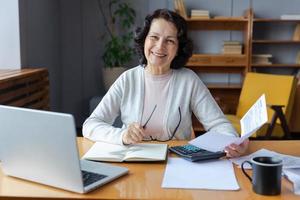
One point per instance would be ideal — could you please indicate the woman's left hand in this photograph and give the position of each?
(234, 150)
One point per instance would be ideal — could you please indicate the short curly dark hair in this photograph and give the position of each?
(185, 46)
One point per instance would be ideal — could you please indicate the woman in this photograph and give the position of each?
(156, 99)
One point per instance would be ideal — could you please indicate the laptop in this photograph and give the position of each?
(40, 146)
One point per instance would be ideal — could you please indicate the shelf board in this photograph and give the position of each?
(217, 24)
(223, 85)
(275, 20)
(217, 60)
(277, 65)
(221, 19)
(220, 55)
(276, 41)
(218, 69)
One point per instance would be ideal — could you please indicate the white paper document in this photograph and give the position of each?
(213, 141)
(254, 118)
(294, 176)
(289, 162)
(213, 175)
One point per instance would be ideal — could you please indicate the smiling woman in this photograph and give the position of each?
(173, 20)
(160, 46)
(156, 99)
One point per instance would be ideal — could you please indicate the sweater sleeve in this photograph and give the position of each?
(98, 126)
(207, 110)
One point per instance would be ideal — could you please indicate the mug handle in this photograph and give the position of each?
(242, 166)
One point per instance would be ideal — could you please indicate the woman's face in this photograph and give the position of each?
(161, 44)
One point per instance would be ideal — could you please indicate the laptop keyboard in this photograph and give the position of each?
(90, 177)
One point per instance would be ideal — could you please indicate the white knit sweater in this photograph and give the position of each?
(126, 98)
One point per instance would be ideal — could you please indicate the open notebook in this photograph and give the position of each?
(102, 151)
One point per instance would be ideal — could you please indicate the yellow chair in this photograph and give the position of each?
(279, 90)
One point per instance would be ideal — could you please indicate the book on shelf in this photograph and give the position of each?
(226, 51)
(176, 7)
(262, 55)
(237, 52)
(231, 42)
(232, 50)
(180, 8)
(102, 151)
(232, 47)
(261, 58)
(296, 35)
(298, 58)
(199, 14)
(290, 16)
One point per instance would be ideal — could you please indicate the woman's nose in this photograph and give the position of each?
(160, 43)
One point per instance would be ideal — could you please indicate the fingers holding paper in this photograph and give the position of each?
(234, 150)
(134, 134)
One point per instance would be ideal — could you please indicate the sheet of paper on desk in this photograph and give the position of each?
(294, 176)
(180, 173)
(289, 162)
(254, 118)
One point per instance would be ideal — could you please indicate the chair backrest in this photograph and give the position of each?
(279, 90)
(295, 116)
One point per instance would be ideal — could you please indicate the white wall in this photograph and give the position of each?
(9, 35)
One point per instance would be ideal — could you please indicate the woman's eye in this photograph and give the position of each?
(153, 37)
(171, 41)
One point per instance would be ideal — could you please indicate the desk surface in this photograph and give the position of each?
(144, 181)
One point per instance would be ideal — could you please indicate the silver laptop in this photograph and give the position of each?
(41, 146)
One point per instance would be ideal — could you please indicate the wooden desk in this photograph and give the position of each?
(144, 181)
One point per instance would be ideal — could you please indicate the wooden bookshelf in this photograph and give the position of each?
(226, 94)
(286, 44)
(259, 24)
(220, 63)
(226, 62)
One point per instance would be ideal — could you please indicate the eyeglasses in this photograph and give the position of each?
(173, 134)
(144, 126)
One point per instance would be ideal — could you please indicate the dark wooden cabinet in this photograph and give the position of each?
(25, 88)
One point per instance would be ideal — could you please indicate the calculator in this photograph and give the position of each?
(193, 153)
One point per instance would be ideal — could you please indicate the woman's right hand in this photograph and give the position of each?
(134, 134)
